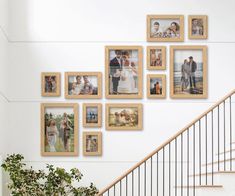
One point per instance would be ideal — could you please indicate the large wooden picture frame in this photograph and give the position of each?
(198, 27)
(94, 118)
(92, 143)
(156, 57)
(156, 86)
(59, 129)
(50, 84)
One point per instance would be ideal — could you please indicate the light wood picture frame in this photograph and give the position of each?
(188, 72)
(165, 28)
(128, 116)
(59, 129)
(50, 84)
(124, 79)
(198, 26)
(156, 57)
(92, 143)
(156, 86)
(92, 118)
(77, 88)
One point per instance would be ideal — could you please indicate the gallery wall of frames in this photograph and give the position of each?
(124, 77)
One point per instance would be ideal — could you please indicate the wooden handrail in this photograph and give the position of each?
(165, 143)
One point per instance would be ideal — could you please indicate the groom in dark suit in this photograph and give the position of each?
(193, 69)
(115, 65)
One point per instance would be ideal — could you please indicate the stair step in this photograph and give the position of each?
(210, 173)
(227, 151)
(216, 162)
(200, 186)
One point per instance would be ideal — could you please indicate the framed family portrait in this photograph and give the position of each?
(165, 28)
(156, 57)
(198, 27)
(92, 143)
(50, 84)
(83, 85)
(59, 129)
(156, 86)
(123, 72)
(188, 72)
(124, 116)
(92, 115)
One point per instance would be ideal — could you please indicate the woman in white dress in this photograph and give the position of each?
(51, 133)
(126, 84)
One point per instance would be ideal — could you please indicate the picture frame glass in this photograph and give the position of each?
(92, 115)
(92, 143)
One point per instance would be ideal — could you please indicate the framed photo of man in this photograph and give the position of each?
(198, 26)
(83, 85)
(188, 72)
(123, 72)
(156, 57)
(59, 129)
(165, 28)
(50, 84)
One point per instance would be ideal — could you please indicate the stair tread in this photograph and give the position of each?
(226, 151)
(200, 186)
(220, 161)
(210, 173)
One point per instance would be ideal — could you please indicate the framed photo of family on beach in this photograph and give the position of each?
(123, 72)
(124, 116)
(165, 28)
(156, 86)
(92, 115)
(50, 84)
(188, 72)
(83, 85)
(156, 57)
(198, 26)
(92, 143)
(59, 129)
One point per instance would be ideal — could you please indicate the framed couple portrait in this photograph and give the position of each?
(156, 86)
(50, 84)
(92, 143)
(92, 115)
(156, 57)
(165, 28)
(188, 72)
(59, 129)
(83, 85)
(198, 26)
(123, 72)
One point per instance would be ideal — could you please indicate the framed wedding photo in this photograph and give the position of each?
(188, 72)
(92, 143)
(83, 85)
(50, 84)
(59, 129)
(156, 57)
(165, 28)
(156, 86)
(198, 26)
(92, 115)
(124, 116)
(123, 72)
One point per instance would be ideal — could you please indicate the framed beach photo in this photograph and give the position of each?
(50, 84)
(92, 143)
(124, 116)
(59, 129)
(198, 26)
(156, 86)
(92, 115)
(123, 72)
(165, 28)
(156, 57)
(83, 85)
(188, 72)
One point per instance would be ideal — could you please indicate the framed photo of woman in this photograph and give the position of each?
(59, 129)
(188, 72)
(156, 57)
(83, 85)
(123, 72)
(156, 86)
(92, 143)
(50, 84)
(198, 26)
(92, 115)
(165, 28)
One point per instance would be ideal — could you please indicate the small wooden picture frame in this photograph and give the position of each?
(59, 129)
(156, 86)
(156, 57)
(50, 84)
(198, 27)
(92, 143)
(165, 28)
(128, 116)
(83, 85)
(92, 115)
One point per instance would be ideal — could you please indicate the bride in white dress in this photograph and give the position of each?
(127, 82)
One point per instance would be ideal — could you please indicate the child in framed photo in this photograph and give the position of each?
(198, 27)
(123, 72)
(156, 86)
(92, 143)
(50, 84)
(92, 115)
(83, 85)
(188, 72)
(156, 57)
(59, 129)
(165, 28)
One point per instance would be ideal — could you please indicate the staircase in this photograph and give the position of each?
(198, 160)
